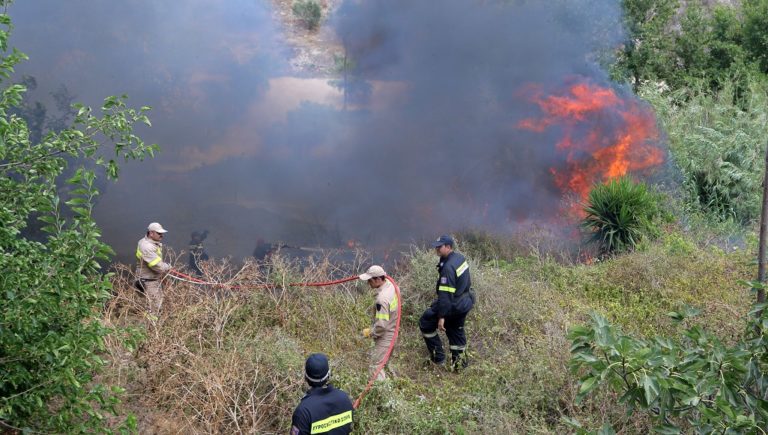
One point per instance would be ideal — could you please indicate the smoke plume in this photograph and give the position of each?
(419, 136)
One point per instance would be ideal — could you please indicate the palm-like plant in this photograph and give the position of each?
(619, 214)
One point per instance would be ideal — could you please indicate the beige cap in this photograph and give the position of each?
(156, 227)
(373, 272)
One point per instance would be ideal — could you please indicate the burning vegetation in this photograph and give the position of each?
(604, 135)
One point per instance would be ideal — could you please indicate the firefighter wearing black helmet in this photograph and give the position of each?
(324, 409)
(449, 311)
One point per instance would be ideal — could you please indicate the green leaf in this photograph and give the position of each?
(47, 219)
(588, 385)
(650, 388)
(76, 201)
(667, 429)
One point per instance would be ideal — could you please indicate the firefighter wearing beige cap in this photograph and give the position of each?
(385, 319)
(151, 268)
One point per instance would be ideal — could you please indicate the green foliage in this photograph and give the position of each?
(308, 11)
(756, 31)
(674, 42)
(648, 53)
(51, 337)
(718, 141)
(619, 214)
(696, 380)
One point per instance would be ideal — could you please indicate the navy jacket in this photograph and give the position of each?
(453, 285)
(325, 410)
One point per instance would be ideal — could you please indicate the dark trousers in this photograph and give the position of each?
(454, 329)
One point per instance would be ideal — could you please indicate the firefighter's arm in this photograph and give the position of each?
(300, 423)
(382, 319)
(446, 287)
(154, 261)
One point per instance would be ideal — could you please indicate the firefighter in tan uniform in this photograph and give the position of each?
(151, 268)
(385, 319)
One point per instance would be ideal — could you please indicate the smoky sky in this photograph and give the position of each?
(416, 139)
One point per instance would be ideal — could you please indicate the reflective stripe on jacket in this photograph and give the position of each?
(149, 253)
(454, 281)
(325, 410)
(385, 320)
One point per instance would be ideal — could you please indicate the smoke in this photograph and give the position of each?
(418, 138)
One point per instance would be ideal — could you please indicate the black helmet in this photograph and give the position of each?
(316, 370)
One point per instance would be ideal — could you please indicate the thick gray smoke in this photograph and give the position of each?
(419, 139)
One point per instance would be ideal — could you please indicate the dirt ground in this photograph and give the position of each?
(312, 51)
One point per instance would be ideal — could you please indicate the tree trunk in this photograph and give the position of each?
(763, 231)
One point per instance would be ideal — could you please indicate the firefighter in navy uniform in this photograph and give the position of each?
(197, 251)
(454, 301)
(323, 409)
(263, 250)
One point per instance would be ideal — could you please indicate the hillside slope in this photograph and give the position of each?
(231, 361)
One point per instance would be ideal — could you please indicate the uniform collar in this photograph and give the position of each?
(444, 259)
(314, 391)
(152, 241)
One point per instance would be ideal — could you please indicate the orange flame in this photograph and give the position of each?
(605, 136)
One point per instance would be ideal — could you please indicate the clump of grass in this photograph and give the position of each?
(619, 214)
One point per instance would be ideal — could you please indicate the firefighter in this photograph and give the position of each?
(263, 250)
(151, 268)
(323, 409)
(447, 313)
(385, 320)
(197, 252)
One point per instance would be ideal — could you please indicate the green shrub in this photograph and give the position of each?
(718, 141)
(309, 12)
(53, 289)
(619, 214)
(692, 383)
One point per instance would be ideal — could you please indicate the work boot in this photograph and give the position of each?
(459, 361)
(435, 348)
(436, 364)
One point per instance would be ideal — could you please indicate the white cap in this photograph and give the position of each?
(373, 272)
(156, 227)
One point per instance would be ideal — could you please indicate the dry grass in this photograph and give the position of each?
(223, 360)
(219, 359)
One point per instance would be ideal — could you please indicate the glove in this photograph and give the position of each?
(367, 332)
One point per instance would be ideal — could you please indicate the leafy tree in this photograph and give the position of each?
(648, 51)
(694, 381)
(673, 42)
(51, 292)
(756, 31)
(619, 214)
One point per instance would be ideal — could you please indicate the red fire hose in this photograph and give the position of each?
(184, 277)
